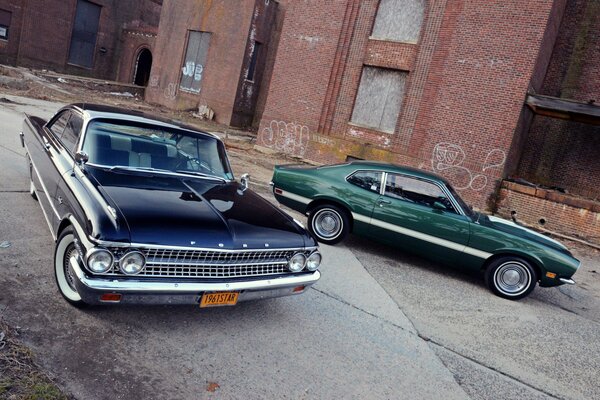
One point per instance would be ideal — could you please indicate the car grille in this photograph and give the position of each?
(170, 263)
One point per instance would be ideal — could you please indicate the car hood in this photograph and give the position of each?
(195, 212)
(526, 233)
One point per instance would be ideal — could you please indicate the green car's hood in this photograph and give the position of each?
(518, 230)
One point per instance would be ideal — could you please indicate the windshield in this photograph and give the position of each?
(113, 143)
(466, 208)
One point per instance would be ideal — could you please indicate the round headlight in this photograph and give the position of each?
(132, 262)
(297, 262)
(99, 260)
(313, 261)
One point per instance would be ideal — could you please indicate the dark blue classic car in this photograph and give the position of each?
(147, 211)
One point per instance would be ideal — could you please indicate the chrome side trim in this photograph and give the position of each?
(295, 197)
(567, 281)
(46, 193)
(80, 233)
(132, 285)
(42, 182)
(422, 236)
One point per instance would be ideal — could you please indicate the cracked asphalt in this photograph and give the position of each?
(380, 324)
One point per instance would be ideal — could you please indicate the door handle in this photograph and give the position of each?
(382, 202)
(46, 144)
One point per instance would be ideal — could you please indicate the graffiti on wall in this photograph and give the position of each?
(448, 160)
(170, 91)
(286, 137)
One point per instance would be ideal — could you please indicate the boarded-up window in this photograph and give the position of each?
(195, 61)
(399, 20)
(5, 17)
(379, 98)
(85, 31)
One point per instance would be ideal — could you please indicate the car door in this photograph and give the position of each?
(65, 160)
(417, 214)
(46, 164)
(365, 193)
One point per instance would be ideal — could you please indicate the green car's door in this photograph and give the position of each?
(417, 215)
(365, 190)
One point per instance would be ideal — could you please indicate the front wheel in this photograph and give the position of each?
(328, 223)
(510, 277)
(65, 249)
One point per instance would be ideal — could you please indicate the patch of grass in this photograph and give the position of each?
(21, 378)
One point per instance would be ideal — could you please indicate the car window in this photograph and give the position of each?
(416, 191)
(369, 180)
(58, 126)
(71, 133)
(131, 144)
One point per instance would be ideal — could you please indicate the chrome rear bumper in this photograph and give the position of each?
(139, 291)
(567, 281)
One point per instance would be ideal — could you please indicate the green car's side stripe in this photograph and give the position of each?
(295, 197)
(422, 236)
(401, 230)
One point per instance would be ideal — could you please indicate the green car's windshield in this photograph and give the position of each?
(117, 143)
(466, 208)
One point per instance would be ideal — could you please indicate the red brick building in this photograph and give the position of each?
(212, 53)
(108, 39)
(450, 86)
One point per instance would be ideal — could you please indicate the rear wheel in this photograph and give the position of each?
(65, 249)
(328, 223)
(510, 277)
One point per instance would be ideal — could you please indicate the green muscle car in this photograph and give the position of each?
(420, 212)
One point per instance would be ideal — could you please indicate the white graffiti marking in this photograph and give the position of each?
(192, 69)
(170, 91)
(289, 138)
(448, 159)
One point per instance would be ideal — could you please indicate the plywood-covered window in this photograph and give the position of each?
(399, 20)
(85, 32)
(195, 61)
(5, 17)
(379, 98)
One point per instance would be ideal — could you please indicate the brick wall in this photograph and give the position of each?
(40, 33)
(562, 153)
(469, 73)
(551, 210)
(132, 42)
(229, 26)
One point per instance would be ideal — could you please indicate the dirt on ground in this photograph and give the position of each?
(20, 377)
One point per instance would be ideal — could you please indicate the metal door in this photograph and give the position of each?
(85, 31)
(195, 61)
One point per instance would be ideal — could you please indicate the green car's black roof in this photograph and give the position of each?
(371, 164)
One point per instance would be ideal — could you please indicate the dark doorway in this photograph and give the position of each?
(85, 30)
(143, 64)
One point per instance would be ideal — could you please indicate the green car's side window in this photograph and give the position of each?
(417, 191)
(369, 180)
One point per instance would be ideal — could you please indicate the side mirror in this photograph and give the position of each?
(81, 157)
(245, 180)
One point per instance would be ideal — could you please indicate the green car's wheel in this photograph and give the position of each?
(329, 224)
(65, 249)
(510, 277)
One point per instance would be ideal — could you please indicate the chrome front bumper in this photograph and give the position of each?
(182, 292)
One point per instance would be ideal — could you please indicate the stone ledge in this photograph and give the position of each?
(553, 195)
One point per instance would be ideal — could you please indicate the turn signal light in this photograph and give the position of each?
(299, 289)
(551, 275)
(112, 297)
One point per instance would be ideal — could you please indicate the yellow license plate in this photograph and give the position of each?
(219, 299)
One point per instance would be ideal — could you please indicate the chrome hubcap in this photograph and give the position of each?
(512, 278)
(327, 224)
(71, 251)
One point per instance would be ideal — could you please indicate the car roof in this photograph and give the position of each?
(378, 165)
(101, 111)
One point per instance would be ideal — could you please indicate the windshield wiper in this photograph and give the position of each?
(202, 175)
(144, 169)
